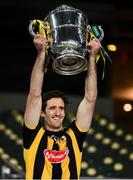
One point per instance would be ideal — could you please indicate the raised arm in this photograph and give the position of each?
(34, 101)
(86, 107)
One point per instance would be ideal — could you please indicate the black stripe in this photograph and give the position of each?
(57, 171)
(72, 163)
(39, 160)
(31, 134)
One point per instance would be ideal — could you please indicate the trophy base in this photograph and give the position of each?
(69, 64)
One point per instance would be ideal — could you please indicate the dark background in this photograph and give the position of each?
(17, 53)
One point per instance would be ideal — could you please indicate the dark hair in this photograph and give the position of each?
(53, 94)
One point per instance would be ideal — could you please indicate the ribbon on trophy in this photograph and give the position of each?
(96, 31)
(39, 27)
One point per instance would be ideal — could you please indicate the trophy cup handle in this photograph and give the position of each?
(96, 31)
(36, 26)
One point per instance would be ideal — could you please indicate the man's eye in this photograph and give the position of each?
(52, 107)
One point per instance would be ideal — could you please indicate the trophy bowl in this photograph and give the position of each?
(69, 33)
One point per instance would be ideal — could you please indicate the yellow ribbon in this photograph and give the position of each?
(102, 53)
(43, 29)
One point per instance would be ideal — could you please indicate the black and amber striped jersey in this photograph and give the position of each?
(53, 155)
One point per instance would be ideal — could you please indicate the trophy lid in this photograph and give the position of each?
(65, 7)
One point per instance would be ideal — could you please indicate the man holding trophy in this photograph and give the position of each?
(51, 151)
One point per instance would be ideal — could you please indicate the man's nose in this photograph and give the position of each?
(57, 111)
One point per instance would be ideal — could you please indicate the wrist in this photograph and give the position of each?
(92, 57)
(92, 54)
(41, 52)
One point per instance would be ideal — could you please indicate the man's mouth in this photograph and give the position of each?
(56, 118)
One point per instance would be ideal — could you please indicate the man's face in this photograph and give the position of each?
(54, 114)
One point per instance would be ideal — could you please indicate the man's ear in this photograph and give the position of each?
(42, 113)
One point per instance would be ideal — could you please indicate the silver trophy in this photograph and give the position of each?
(69, 30)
